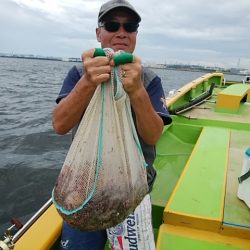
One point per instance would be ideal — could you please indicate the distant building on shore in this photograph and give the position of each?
(72, 59)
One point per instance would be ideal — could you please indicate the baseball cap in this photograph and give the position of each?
(113, 4)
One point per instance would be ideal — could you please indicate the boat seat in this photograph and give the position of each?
(175, 144)
(198, 198)
(230, 98)
(178, 238)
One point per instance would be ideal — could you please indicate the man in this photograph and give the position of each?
(118, 22)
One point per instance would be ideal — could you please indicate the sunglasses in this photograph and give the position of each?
(113, 26)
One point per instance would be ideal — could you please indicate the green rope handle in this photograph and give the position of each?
(99, 52)
(121, 58)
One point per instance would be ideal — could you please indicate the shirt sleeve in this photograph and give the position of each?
(69, 83)
(157, 97)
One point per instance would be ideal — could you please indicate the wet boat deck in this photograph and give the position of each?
(236, 212)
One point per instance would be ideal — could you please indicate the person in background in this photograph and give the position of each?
(118, 24)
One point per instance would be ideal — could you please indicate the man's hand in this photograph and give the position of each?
(131, 77)
(97, 69)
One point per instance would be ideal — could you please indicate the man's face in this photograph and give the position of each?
(121, 39)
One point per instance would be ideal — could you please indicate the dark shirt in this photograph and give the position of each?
(153, 86)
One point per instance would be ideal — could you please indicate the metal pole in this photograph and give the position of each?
(32, 220)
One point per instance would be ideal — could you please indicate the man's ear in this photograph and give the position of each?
(98, 34)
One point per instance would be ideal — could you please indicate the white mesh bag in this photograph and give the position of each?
(103, 178)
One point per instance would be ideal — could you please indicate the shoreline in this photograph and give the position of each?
(58, 59)
(170, 67)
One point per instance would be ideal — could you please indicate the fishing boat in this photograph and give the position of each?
(200, 158)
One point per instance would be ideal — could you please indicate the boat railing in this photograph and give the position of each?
(32, 220)
(192, 85)
(10, 239)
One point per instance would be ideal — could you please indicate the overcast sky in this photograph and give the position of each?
(206, 32)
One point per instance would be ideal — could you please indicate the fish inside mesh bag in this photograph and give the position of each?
(103, 178)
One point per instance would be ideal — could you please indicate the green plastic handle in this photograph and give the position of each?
(99, 52)
(118, 59)
(123, 58)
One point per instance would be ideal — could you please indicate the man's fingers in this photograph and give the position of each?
(88, 54)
